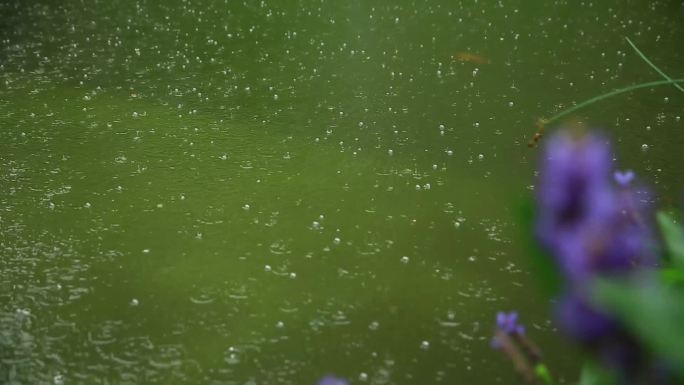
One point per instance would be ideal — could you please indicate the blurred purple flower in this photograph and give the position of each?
(593, 228)
(584, 323)
(624, 178)
(589, 226)
(332, 380)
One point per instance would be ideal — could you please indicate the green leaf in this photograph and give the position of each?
(592, 374)
(541, 264)
(651, 311)
(543, 374)
(673, 234)
(671, 276)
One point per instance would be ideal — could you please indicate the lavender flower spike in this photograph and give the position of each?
(624, 178)
(332, 380)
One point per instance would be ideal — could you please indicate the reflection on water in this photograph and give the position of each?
(260, 193)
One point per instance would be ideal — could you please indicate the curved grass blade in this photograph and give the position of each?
(644, 58)
(611, 94)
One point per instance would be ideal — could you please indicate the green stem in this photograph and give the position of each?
(610, 94)
(663, 74)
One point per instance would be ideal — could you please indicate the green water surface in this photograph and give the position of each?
(263, 192)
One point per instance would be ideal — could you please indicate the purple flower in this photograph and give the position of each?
(584, 221)
(583, 322)
(508, 323)
(332, 380)
(593, 228)
(623, 178)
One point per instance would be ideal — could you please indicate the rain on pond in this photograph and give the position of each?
(266, 192)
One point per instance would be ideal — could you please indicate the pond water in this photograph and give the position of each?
(263, 192)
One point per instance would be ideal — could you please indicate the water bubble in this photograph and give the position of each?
(134, 302)
(316, 225)
(425, 345)
(390, 152)
(426, 186)
(275, 97)
(644, 147)
(293, 275)
(434, 167)
(337, 240)
(418, 187)
(364, 376)
(87, 205)
(375, 325)
(246, 207)
(267, 268)
(404, 259)
(480, 157)
(58, 379)
(450, 153)
(280, 324)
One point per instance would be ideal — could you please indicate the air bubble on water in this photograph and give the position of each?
(472, 258)
(224, 156)
(425, 345)
(337, 240)
(644, 147)
(280, 324)
(434, 167)
(480, 157)
(246, 207)
(58, 379)
(293, 275)
(404, 259)
(135, 114)
(146, 251)
(267, 268)
(390, 152)
(678, 118)
(134, 302)
(441, 127)
(426, 186)
(375, 325)
(450, 153)
(510, 104)
(363, 377)
(275, 97)
(87, 205)
(418, 187)
(666, 99)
